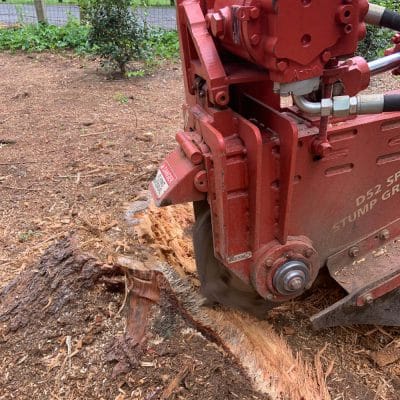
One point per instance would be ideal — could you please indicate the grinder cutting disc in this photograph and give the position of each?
(218, 284)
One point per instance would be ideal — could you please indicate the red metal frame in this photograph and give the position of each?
(272, 197)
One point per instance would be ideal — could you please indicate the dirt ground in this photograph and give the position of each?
(76, 149)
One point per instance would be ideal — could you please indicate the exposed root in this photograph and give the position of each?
(264, 355)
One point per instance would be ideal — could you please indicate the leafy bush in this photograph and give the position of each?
(83, 9)
(158, 44)
(163, 43)
(42, 37)
(116, 33)
(377, 39)
(375, 43)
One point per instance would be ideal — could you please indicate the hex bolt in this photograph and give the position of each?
(282, 65)
(324, 148)
(348, 29)
(326, 56)
(269, 263)
(217, 24)
(221, 98)
(384, 234)
(368, 298)
(354, 251)
(254, 12)
(295, 284)
(255, 39)
(308, 253)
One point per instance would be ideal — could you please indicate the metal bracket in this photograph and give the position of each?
(383, 311)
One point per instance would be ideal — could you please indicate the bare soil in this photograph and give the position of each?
(76, 149)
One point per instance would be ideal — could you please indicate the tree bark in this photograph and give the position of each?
(40, 11)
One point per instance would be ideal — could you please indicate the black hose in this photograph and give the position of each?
(390, 19)
(391, 102)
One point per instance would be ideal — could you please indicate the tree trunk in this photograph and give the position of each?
(40, 10)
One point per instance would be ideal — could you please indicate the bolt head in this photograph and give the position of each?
(255, 39)
(254, 12)
(321, 147)
(354, 251)
(308, 253)
(384, 234)
(326, 56)
(282, 65)
(348, 29)
(295, 284)
(290, 254)
(221, 98)
(217, 24)
(269, 263)
(368, 299)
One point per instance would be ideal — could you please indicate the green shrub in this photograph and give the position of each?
(116, 33)
(83, 9)
(163, 43)
(157, 44)
(42, 37)
(377, 39)
(375, 43)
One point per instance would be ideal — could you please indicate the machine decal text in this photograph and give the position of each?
(368, 200)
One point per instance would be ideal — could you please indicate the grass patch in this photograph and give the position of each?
(41, 37)
(145, 3)
(159, 43)
(163, 43)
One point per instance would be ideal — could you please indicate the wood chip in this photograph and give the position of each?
(174, 383)
(385, 356)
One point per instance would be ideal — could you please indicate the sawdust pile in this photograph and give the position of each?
(168, 230)
(263, 353)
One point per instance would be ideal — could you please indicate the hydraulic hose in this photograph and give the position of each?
(391, 102)
(383, 17)
(383, 64)
(343, 106)
(309, 107)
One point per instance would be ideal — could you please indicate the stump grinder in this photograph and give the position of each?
(290, 169)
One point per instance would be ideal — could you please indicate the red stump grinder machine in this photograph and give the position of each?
(285, 188)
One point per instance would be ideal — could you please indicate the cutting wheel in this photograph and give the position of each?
(218, 284)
